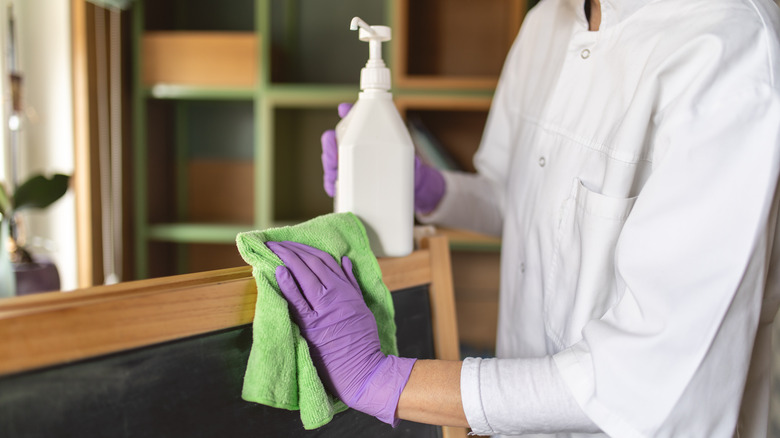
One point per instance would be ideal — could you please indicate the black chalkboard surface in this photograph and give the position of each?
(186, 388)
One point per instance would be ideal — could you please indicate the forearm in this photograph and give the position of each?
(523, 396)
(432, 394)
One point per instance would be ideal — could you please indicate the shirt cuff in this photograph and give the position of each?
(519, 396)
(471, 396)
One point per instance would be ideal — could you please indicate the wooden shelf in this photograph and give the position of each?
(220, 190)
(453, 43)
(456, 122)
(233, 101)
(461, 240)
(309, 42)
(226, 59)
(309, 95)
(197, 233)
(452, 100)
(177, 91)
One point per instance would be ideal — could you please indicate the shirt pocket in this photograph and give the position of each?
(581, 284)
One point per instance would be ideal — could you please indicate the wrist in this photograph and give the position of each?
(379, 394)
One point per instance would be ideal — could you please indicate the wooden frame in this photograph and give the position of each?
(86, 138)
(86, 229)
(57, 328)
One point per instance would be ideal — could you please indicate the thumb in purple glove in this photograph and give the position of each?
(328, 306)
(429, 186)
(330, 154)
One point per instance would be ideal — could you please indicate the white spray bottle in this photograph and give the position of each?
(376, 156)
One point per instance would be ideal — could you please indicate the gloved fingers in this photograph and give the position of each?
(330, 154)
(429, 187)
(309, 282)
(418, 163)
(419, 171)
(345, 270)
(301, 309)
(330, 149)
(330, 161)
(346, 266)
(322, 264)
(317, 253)
(344, 109)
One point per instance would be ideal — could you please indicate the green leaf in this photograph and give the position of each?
(40, 192)
(5, 202)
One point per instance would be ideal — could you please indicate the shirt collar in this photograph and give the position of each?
(612, 11)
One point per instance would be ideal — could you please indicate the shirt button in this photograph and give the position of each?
(542, 161)
(585, 54)
(522, 268)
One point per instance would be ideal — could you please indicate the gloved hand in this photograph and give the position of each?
(328, 306)
(429, 186)
(330, 154)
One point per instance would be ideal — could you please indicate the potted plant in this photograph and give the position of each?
(20, 273)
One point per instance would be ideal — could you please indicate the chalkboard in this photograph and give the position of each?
(186, 388)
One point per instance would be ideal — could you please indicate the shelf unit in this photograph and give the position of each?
(230, 99)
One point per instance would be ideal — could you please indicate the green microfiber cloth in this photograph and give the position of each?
(280, 372)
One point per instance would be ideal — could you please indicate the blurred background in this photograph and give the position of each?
(185, 122)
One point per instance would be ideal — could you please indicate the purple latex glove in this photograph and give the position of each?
(328, 306)
(330, 154)
(429, 186)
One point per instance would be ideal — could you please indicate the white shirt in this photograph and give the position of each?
(632, 174)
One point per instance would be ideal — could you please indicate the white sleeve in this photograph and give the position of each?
(519, 396)
(467, 204)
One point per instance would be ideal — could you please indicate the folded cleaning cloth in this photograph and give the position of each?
(280, 371)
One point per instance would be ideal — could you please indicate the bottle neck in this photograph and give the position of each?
(375, 78)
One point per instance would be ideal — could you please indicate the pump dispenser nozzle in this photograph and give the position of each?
(375, 75)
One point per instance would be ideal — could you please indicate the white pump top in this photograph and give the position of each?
(375, 75)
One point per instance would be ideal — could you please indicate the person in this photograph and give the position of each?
(630, 165)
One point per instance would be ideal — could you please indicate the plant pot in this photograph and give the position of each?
(39, 276)
(7, 277)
